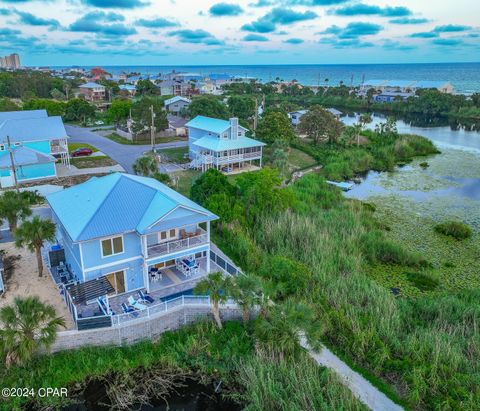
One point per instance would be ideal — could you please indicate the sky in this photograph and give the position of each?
(216, 32)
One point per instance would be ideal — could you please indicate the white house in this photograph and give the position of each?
(176, 104)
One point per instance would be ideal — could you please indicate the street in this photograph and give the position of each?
(123, 154)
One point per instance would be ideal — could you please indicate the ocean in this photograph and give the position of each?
(465, 77)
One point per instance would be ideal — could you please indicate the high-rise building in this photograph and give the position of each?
(10, 62)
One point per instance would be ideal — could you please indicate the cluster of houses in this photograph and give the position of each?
(32, 146)
(387, 91)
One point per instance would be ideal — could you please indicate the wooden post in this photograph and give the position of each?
(12, 161)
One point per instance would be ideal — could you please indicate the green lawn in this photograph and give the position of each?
(159, 140)
(176, 154)
(184, 180)
(299, 160)
(74, 146)
(89, 162)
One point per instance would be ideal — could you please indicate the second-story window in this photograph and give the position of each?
(112, 246)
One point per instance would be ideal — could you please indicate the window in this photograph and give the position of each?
(112, 246)
(173, 233)
(163, 235)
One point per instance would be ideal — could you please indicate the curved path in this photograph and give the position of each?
(371, 396)
(123, 154)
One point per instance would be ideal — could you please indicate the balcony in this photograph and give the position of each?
(178, 245)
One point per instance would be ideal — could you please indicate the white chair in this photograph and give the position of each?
(135, 304)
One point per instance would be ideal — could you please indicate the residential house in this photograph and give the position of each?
(36, 141)
(130, 89)
(295, 116)
(177, 104)
(222, 144)
(93, 91)
(122, 233)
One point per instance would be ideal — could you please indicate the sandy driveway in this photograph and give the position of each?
(25, 282)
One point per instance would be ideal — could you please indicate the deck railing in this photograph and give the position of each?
(164, 307)
(177, 245)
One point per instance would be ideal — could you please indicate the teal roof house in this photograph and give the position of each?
(222, 144)
(122, 234)
(30, 144)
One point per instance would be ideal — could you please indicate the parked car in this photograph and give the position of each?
(82, 152)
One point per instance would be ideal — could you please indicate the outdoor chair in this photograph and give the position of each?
(145, 297)
(128, 309)
(135, 304)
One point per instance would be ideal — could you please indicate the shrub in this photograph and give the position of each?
(422, 281)
(454, 229)
(424, 164)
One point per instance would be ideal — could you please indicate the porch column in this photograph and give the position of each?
(261, 154)
(146, 279)
(208, 251)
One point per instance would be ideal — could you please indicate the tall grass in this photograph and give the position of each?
(292, 385)
(428, 348)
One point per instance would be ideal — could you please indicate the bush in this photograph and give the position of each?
(454, 229)
(423, 281)
(424, 164)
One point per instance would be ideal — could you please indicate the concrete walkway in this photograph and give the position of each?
(360, 387)
(64, 171)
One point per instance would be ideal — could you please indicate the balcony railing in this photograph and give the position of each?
(58, 149)
(177, 245)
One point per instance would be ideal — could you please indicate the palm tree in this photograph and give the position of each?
(145, 166)
(27, 326)
(16, 206)
(281, 331)
(216, 286)
(245, 289)
(32, 234)
(363, 120)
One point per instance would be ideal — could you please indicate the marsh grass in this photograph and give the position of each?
(455, 229)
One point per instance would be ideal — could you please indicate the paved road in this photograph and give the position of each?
(123, 154)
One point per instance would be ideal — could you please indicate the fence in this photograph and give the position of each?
(224, 264)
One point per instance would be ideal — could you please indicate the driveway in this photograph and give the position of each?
(123, 154)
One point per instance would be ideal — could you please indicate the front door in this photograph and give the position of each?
(117, 280)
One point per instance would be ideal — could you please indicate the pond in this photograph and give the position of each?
(191, 396)
(449, 187)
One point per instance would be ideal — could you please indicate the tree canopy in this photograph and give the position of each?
(320, 125)
(142, 116)
(275, 125)
(209, 106)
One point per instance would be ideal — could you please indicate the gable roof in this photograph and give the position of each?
(175, 99)
(33, 129)
(221, 144)
(116, 204)
(214, 125)
(91, 84)
(23, 156)
(19, 115)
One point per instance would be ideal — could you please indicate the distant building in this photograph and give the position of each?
(177, 104)
(10, 62)
(222, 144)
(405, 86)
(93, 91)
(128, 88)
(295, 116)
(36, 141)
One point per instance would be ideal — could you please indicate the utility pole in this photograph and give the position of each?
(14, 170)
(255, 117)
(152, 128)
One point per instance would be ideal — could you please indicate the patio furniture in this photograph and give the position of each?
(145, 297)
(129, 309)
(135, 304)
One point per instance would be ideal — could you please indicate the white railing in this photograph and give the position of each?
(58, 149)
(176, 245)
(239, 157)
(164, 307)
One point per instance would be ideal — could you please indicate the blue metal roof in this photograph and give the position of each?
(91, 84)
(117, 203)
(214, 125)
(33, 129)
(221, 144)
(23, 156)
(19, 115)
(129, 87)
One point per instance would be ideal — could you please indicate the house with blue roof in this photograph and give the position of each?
(131, 233)
(30, 144)
(223, 145)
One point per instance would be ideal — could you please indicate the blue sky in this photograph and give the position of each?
(201, 32)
